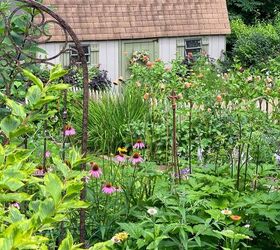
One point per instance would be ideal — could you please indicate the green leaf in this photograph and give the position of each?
(9, 124)
(14, 197)
(45, 100)
(57, 87)
(16, 108)
(34, 79)
(107, 245)
(20, 131)
(135, 231)
(57, 72)
(12, 184)
(54, 186)
(33, 95)
(67, 243)
(46, 209)
(6, 244)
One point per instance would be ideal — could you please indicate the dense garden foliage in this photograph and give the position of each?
(216, 187)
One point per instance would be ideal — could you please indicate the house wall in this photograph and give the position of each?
(217, 45)
(109, 58)
(51, 49)
(108, 54)
(169, 48)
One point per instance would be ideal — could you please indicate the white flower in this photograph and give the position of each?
(115, 240)
(200, 153)
(277, 158)
(226, 212)
(247, 225)
(152, 211)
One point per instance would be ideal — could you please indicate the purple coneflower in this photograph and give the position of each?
(108, 189)
(39, 171)
(136, 158)
(95, 170)
(69, 130)
(47, 154)
(139, 144)
(16, 205)
(120, 157)
(183, 173)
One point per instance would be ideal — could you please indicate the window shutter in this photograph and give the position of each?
(64, 57)
(205, 44)
(94, 54)
(180, 47)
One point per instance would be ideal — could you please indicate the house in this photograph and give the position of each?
(110, 30)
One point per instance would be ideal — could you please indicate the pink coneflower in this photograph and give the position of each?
(47, 154)
(16, 205)
(120, 157)
(108, 189)
(136, 158)
(95, 170)
(69, 130)
(39, 172)
(139, 144)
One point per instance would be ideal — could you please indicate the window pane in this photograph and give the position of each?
(74, 53)
(193, 43)
(194, 51)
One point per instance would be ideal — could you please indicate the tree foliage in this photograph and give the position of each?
(251, 11)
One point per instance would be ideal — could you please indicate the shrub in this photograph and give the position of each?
(252, 45)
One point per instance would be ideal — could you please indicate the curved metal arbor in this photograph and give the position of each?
(15, 55)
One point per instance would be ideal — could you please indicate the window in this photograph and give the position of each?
(74, 58)
(193, 47)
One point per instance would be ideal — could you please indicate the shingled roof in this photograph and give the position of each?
(130, 19)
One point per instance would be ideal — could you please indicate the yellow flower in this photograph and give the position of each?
(122, 150)
(120, 237)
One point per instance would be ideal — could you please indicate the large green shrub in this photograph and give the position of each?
(252, 45)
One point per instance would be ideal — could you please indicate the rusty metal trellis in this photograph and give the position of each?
(36, 32)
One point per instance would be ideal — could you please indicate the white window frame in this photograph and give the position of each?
(186, 48)
(74, 53)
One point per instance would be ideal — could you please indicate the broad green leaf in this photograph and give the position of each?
(9, 124)
(54, 186)
(6, 244)
(67, 243)
(44, 100)
(57, 87)
(107, 245)
(17, 109)
(15, 215)
(33, 95)
(12, 184)
(46, 209)
(57, 72)
(14, 197)
(34, 79)
(20, 131)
